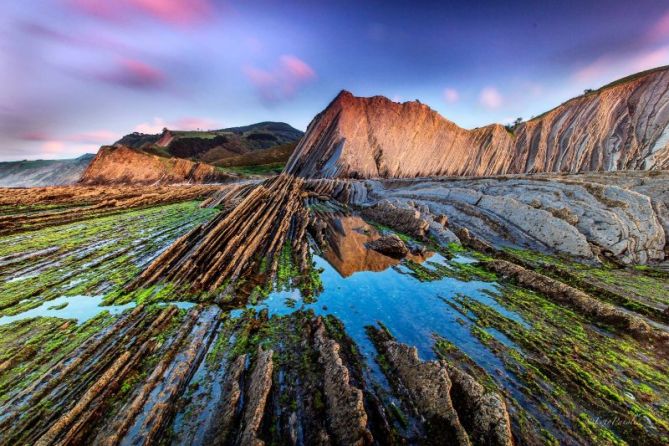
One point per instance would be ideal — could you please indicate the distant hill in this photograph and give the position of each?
(176, 156)
(43, 172)
(213, 146)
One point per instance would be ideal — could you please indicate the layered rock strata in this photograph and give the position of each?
(124, 165)
(621, 216)
(624, 125)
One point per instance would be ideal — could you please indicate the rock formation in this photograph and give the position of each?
(122, 165)
(621, 126)
(620, 216)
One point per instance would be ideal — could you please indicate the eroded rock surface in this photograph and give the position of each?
(390, 245)
(618, 215)
(458, 409)
(624, 125)
(256, 395)
(124, 165)
(345, 408)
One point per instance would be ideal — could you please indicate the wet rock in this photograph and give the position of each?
(442, 220)
(401, 218)
(564, 215)
(345, 409)
(483, 413)
(66, 204)
(256, 394)
(458, 409)
(582, 302)
(429, 387)
(389, 245)
(226, 248)
(227, 409)
(474, 243)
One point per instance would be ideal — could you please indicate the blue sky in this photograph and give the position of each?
(76, 74)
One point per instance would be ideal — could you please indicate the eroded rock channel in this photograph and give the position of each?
(338, 312)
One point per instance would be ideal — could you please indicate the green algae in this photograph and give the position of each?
(574, 367)
(642, 289)
(30, 347)
(96, 256)
(430, 271)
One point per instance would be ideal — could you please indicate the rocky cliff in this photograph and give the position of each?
(120, 164)
(621, 126)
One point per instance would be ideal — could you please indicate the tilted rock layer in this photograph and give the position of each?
(123, 165)
(622, 126)
(624, 214)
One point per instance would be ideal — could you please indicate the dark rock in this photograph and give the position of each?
(389, 245)
(402, 219)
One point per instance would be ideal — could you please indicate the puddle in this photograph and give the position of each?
(79, 307)
(347, 237)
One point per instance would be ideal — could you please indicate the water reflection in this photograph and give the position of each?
(346, 239)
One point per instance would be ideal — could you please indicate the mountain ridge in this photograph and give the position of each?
(623, 125)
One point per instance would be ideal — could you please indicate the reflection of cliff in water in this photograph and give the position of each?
(346, 239)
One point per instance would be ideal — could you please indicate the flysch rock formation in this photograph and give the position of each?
(622, 126)
(123, 165)
(622, 216)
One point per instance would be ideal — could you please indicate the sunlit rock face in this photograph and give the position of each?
(123, 165)
(622, 126)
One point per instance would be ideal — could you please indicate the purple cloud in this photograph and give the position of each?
(133, 73)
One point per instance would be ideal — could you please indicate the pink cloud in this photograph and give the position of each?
(609, 67)
(451, 95)
(173, 12)
(96, 8)
(53, 147)
(282, 81)
(651, 59)
(179, 12)
(593, 70)
(660, 29)
(194, 123)
(134, 73)
(297, 68)
(187, 123)
(490, 98)
(93, 137)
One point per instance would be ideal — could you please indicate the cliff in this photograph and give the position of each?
(120, 164)
(621, 126)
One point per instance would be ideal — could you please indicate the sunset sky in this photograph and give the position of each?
(76, 74)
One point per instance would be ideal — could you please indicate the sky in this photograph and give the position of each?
(77, 74)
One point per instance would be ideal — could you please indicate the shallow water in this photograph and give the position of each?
(79, 307)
